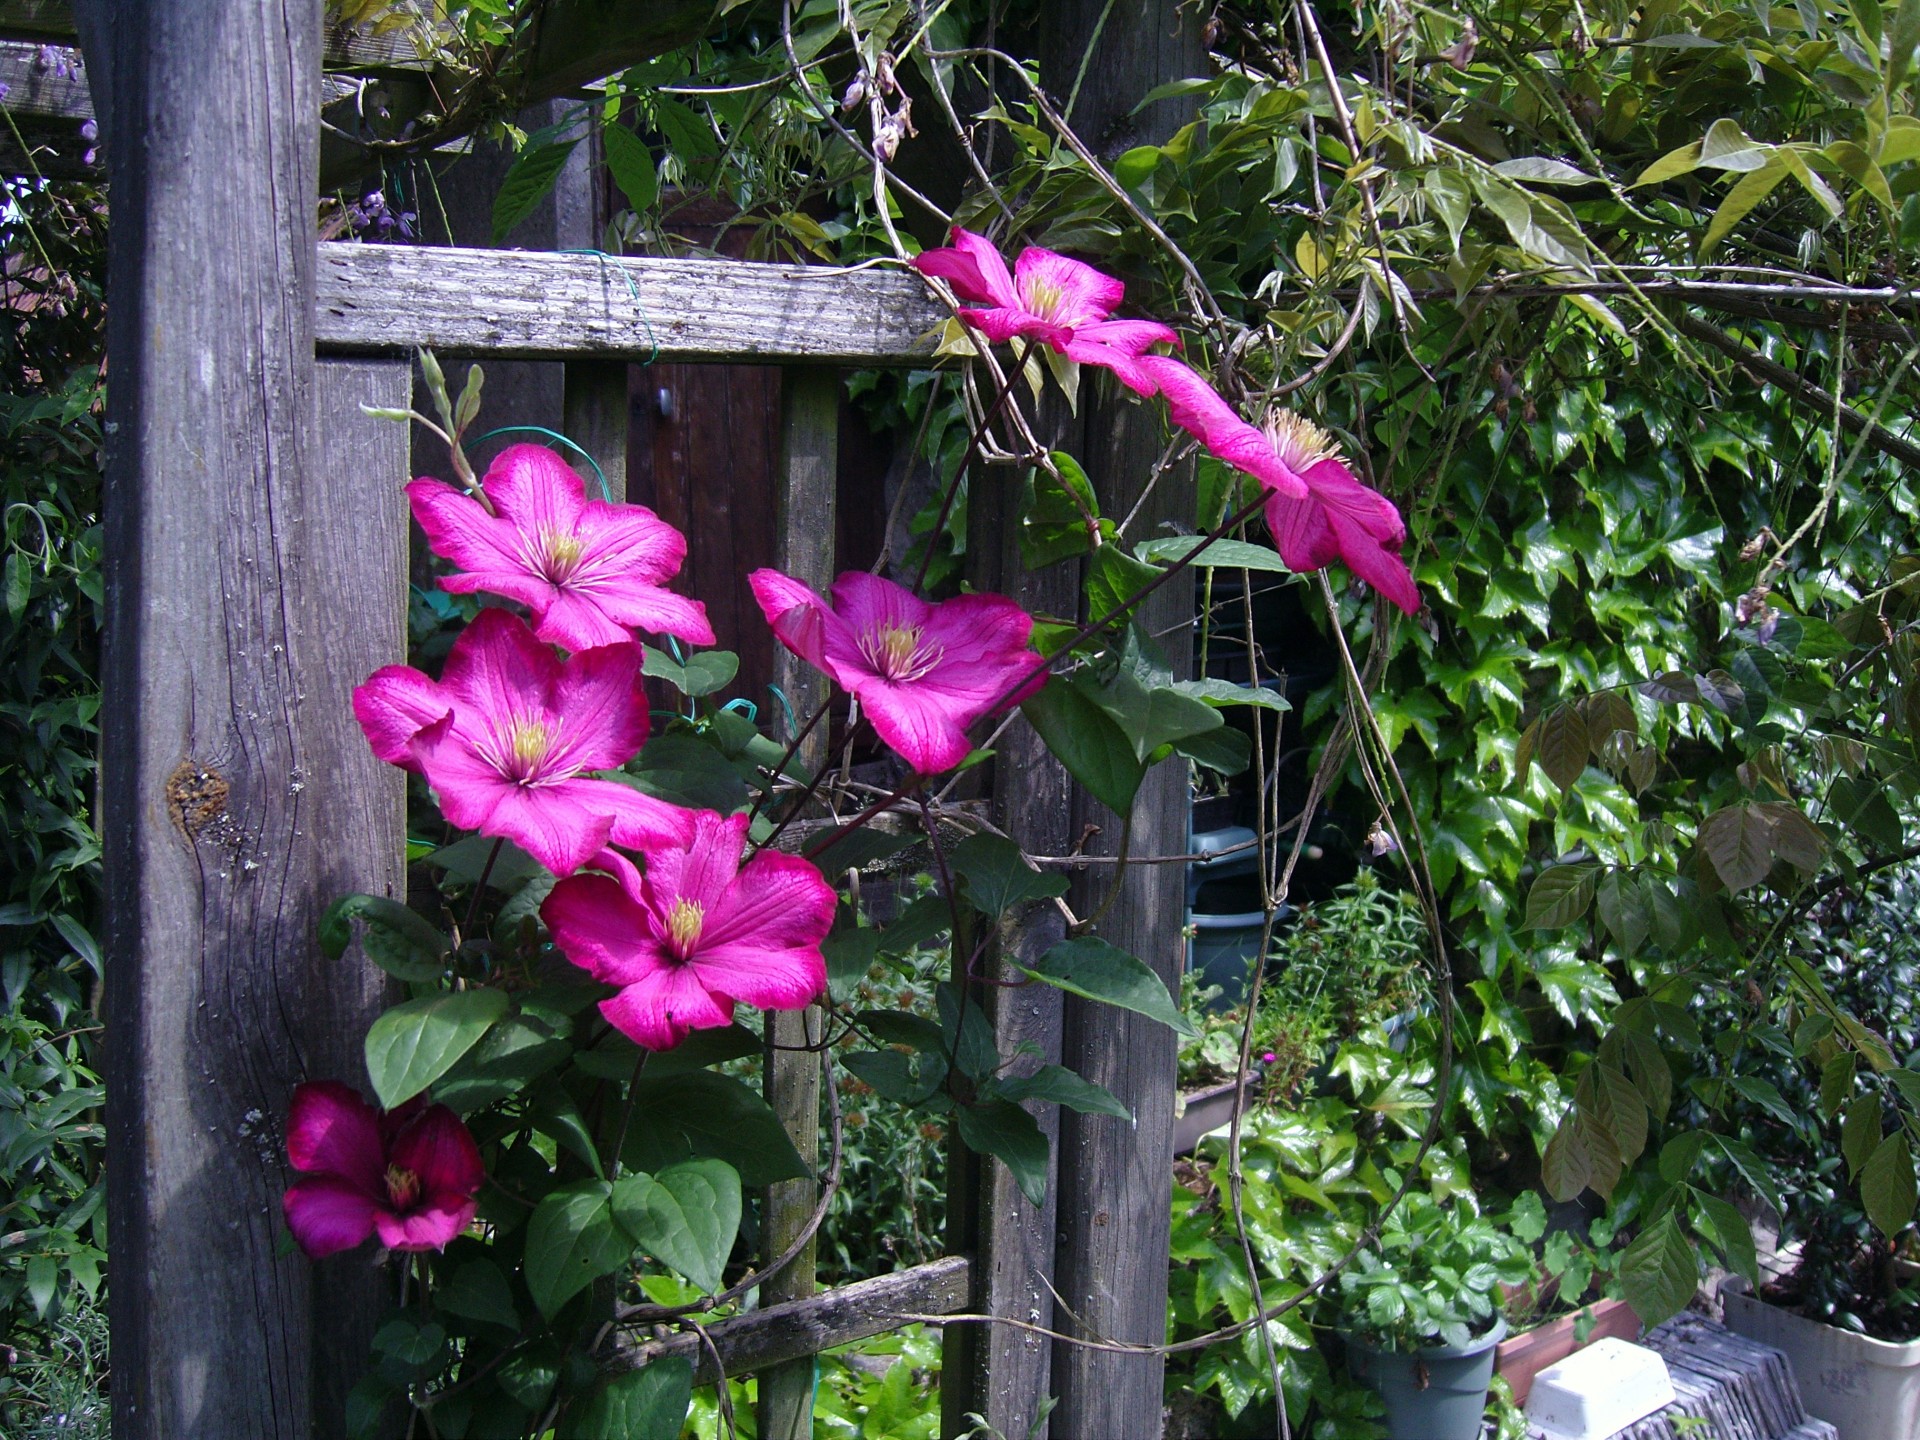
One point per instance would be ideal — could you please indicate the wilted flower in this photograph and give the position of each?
(510, 737)
(922, 672)
(1049, 299)
(590, 571)
(408, 1175)
(696, 932)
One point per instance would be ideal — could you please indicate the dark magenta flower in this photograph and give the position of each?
(1318, 510)
(590, 571)
(510, 737)
(1049, 299)
(922, 672)
(408, 1175)
(696, 932)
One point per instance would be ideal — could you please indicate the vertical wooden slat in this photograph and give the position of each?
(806, 499)
(1000, 1372)
(352, 604)
(236, 793)
(1111, 1265)
(596, 413)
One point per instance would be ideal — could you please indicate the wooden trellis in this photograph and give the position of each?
(256, 551)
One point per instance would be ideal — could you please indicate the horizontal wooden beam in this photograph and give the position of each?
(798, 1328)
(543, 305)
(45, 110)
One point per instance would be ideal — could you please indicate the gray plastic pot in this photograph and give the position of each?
(1438, 1393)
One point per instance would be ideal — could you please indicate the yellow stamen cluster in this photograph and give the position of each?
(531, 740)
(900, 652)
(403, 1187)
(562, 552)
(683, 925)
(1297, 440)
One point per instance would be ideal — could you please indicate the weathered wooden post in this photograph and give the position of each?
(237, 796)
(1115, 1178)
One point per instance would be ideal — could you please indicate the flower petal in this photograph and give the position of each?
(433, 1226)
(1126, 368)
(972, 265)
(602, 928)
(659, 1011)
(629, 541)
(796, 613)
(777, 901)
(1065, 292)
(656, 611)
(440, 1150)
(771, 978)
(640, 822)
(920, 725)
(984, 643)
(699, 869)
(1196, 407)
(459, 529)
(333, 1130)
(326, 1215)
(535, 490)
(395, 704)
(497, 669)
(599, 708)
(1134, 337)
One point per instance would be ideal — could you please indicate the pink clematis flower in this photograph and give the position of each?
(590, 571)
(695, 933)
(1048, 299)
(1317, 509)
(509, 738)
(409, 1175)
(922, 672)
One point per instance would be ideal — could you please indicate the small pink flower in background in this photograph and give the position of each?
(922, 672)
(1317, 509)
(409, 1175)
(1049, 299)
(510, 735)
(696, 932)
(590, 571)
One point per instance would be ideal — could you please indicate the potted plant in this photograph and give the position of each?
(1421, 1313)
(1565, 1305)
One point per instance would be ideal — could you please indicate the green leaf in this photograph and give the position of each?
(1538, 170)
(685, 1216)
(1727, 147)
(1088, 966)
(1887, 1185)
(681, 1117)
(1753, 1170)
(849, 954)
(687, 771)
(572, 1241)
(997, 877)
(1003, 1130)
(1114, 578)
(631, 164)
(1727, 1228)
(1616, 1107)
(1658, 1271)
(1836, 1082)
(1053, 527)
(531, 176)
(1560, 896)
(1623, 910)
(414, 1044)
(1224, 750)
(396, 939)
(1220, 555)
(1057, 1085)
(1860, 1132)
(1766, 1095)
(646, 1404)
(1670, 166)
(1085, 739)
(1740, 201)
(1678, 1155)
(1561, 746)
(514, 1052)
(1224, 693)
(478, 1291)
(1739, 842)
(703, 672)
(19, 584)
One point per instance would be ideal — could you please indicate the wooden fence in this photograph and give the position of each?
(256, 543)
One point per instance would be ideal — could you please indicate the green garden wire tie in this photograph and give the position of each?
(606, 490)
(632, 289)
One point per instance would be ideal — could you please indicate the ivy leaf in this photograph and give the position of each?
(1088, 966)
(646, 1404)
(1003, 1130)
(686, 1216)
(702, 673)
(414, 1044)
(572, 1241)
(531, 176)
(998, 878)
(1561, 894)
(1658, 1271)
(1887, 1185)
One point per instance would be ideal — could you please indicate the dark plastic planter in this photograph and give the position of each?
(1438, 1393)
